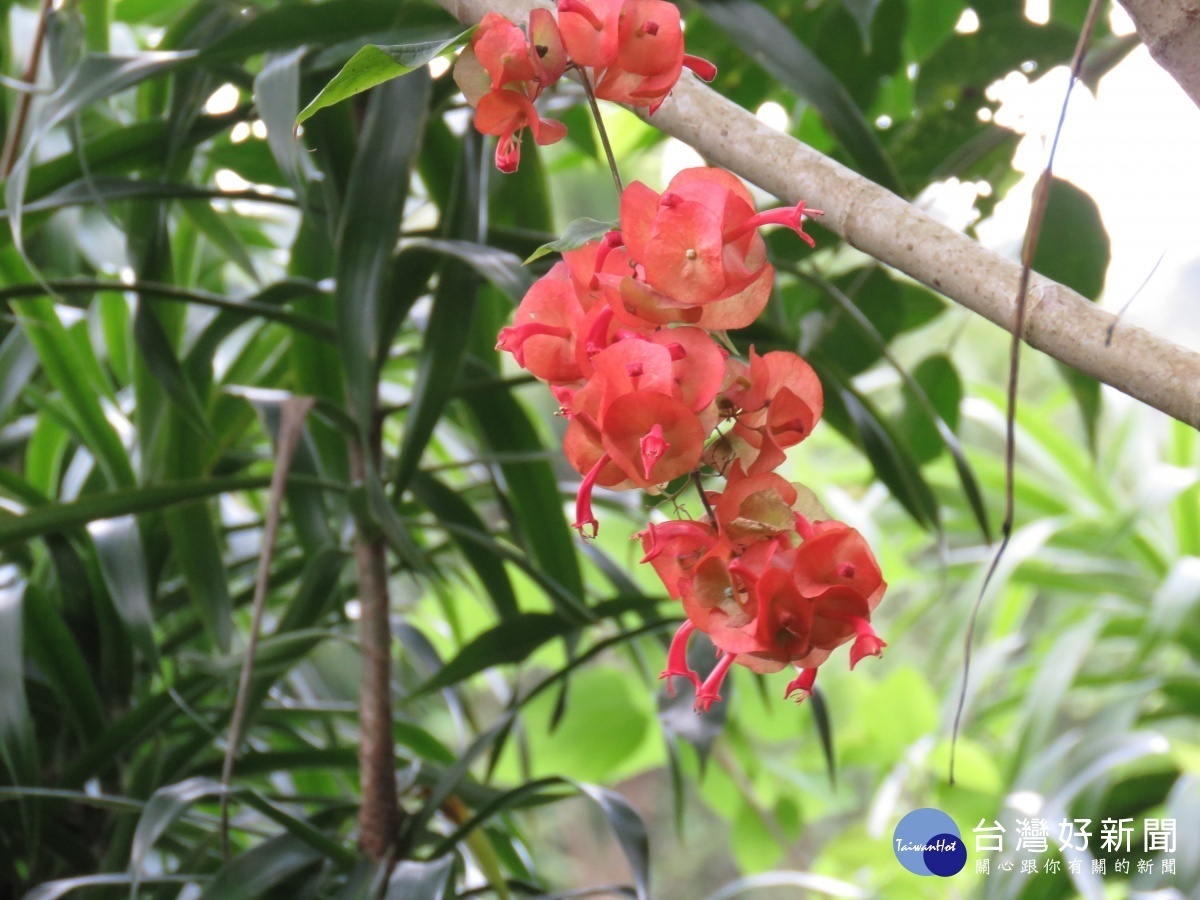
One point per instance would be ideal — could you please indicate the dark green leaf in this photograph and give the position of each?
(532, 487)
(863, 12)
(824, 731)
(70, 375)
(938, 380)
(255, 873)
(412, 880)
(277, 95)
(448, 330)
(501, 268)
(1074, 249)
(772, 44)
(123, 565)
(893, 463)
(369, 229)
(18, 743)
(59, 517)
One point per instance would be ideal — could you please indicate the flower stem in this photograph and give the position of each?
(608, 150)
(696, 480)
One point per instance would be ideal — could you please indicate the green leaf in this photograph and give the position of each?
(216, 228)
(448, 506)
(277, 96)
(1074, 249)
(577, 233)
(624, 820)
(369, 229)
(18, 743)
(1073, 246)
(963, 65)
(824, 731)
(512, 641)
(938, 380)
(255, 873)
(413, 880)
(68, 373)
(761, 36)
(895, 466)
(448, 330)
(196, 549)
(56, 651)
(375, 64)
(54, 518)
(532, 486)
(164, 366)
(123, 566)
(96, 77)
(500, 267)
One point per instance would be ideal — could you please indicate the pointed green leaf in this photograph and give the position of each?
(579, 232)
(375, 64)
(59, 517)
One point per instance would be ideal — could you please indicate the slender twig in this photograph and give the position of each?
(608, 150)
(292, 415)
(1037, 214)
(698, 481)
(1108, 338)
(12, 142)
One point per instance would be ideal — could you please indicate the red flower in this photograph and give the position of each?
(590, 30)
(501, 73)
(543, 334)
(505, 113)
(775, 403)
(650, 56)
(701, 257)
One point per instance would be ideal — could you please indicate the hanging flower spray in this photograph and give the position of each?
(620, 330)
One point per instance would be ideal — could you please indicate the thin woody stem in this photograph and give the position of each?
(379, 814)
(1037, 214)
(699, 482)
(608, 150)
(12, 142)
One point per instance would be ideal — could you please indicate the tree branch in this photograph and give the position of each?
(379, 814)
(1170, 29)
(1059, 322)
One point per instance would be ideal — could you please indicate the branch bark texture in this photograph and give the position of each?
(1170, 29)
(1059, 322)
(379, 814)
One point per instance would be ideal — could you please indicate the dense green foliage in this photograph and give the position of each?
(178, 265)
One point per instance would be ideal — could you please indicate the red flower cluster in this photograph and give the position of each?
(634, 48)
(769, 587)
(619, 329)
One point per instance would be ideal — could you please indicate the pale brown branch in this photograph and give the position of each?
(1059, 322)
(1170, 29)
(291, 423)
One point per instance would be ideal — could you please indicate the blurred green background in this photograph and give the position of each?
(177, 265)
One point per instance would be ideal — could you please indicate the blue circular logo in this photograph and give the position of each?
(928, 842)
